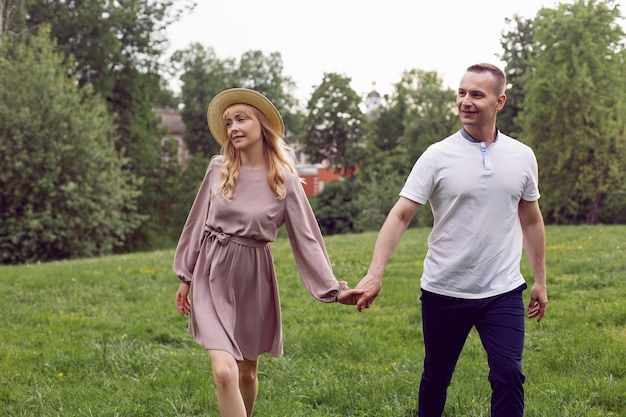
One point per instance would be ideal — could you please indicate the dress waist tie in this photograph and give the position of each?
(224, 238)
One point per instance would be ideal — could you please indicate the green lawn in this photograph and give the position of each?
(101, 337)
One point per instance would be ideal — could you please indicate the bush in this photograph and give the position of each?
(65, 193)
(336, 208)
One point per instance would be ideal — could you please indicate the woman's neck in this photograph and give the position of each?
(253, 160)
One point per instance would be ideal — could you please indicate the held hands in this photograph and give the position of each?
(348, 297)
(182, 299)
(370, 287)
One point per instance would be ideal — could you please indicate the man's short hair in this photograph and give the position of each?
(498, 75)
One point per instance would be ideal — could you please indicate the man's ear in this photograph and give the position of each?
(500, 102)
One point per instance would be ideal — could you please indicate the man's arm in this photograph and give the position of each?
(535, 247)
(390, 233)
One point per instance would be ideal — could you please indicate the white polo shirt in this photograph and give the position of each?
(475, 246)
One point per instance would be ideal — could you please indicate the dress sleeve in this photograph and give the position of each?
(308, 245)
(190, 240)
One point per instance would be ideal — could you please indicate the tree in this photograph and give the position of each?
(379, 182)
(334, 125)
(65, 193)
(116, 50)
(573, 108)
(388, 126)
(264, 73)
(165, 98)
(431, 112)
(419, 112)
(336, 209)
(104, 37)
(140, 141)
(203, 75)
(11, 12)
(519, 49)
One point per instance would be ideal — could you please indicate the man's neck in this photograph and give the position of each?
(487, 135)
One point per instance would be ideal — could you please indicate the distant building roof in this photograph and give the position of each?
(170, 119)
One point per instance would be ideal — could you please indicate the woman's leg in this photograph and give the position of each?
(248, 383)
(226, 375)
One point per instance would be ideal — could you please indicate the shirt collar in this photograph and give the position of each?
(470, 138)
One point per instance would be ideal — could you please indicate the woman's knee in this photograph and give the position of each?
(224, 366)
(225, 375)
(248, 372)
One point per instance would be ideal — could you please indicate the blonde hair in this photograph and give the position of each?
(278, 156)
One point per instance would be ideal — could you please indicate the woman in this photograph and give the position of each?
(223, 255)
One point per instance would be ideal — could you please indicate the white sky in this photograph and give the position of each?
(362, 39)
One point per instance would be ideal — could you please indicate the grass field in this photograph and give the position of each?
(101, 337)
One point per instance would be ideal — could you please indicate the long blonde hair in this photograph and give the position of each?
(278, 156)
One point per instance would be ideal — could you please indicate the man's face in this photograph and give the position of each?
(477, 100)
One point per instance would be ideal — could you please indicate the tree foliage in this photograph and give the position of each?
(105, 37)
(64, 190)
(116, 50)
(264, 73)
(334, 124)
(336, 208)
(379, 182)
(518, 51)
(573, 110)
(11, 22)
(418, 112)
(388, 127)
(204, 75)
(431, 112)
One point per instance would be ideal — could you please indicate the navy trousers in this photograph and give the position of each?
(446, 323)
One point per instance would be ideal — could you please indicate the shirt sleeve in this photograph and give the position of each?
(190, 240)
(531, 187)
(420, 183)
(308, 246)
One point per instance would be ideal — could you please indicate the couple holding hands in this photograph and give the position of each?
(482, 187)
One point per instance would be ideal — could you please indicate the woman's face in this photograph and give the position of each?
(243, 128)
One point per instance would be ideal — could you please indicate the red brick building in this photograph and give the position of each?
(316, 176)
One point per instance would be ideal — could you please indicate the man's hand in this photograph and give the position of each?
(370, 287)
(538, 302)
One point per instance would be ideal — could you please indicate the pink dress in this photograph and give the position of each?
(224, 252)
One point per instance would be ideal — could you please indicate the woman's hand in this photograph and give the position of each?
(182, 298)
(349, 297)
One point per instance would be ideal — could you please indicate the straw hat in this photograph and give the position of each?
(219, 104)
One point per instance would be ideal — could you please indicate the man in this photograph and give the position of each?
(483, 190)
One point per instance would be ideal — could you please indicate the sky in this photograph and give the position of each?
(367, 41)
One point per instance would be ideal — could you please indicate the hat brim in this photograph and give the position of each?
(225, 99)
